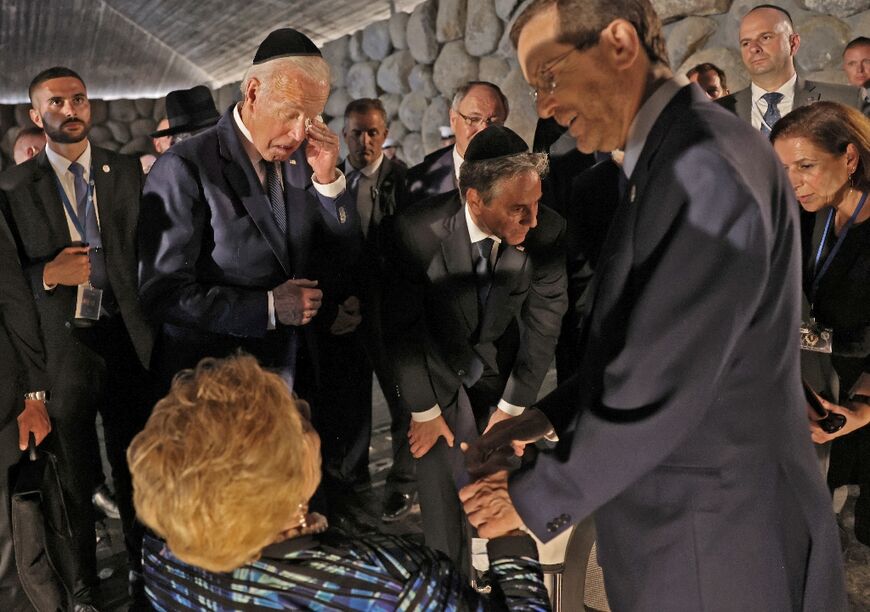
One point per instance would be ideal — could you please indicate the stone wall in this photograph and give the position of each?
(415, 62)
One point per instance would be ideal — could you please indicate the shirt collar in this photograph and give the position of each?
(865, 94)
(645, 119)
(458, 160)
(474, 232)
(786, 89)
(367, 171)
(61, 164)
(247, 141)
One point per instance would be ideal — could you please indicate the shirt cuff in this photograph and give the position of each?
(333, 189)
(509, 408)
(427, 415)
(271, 300)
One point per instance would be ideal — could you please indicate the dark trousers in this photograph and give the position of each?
(98, 371)
(441, 472)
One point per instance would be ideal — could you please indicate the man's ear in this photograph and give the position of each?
(252, 91)
(794, 43)
(474, 201)
(34, 116)
(620, 43)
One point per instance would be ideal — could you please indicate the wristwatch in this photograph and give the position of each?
(37, 395)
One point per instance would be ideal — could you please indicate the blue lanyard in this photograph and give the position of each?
(818, 274)
(80, 224)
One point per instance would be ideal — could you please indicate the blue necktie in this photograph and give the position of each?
(483, 270)
(771, 115)
(276, 196)
(88, 218)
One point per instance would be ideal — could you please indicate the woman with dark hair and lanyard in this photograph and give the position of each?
(825, 148)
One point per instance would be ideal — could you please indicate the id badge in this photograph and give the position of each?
(816, 338)
(88, 302)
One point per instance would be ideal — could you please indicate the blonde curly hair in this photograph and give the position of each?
(224, 463)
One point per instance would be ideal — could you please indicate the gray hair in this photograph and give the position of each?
(274, 73)
(486, 175)
(460, 94)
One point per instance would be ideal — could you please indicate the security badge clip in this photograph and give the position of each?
(815, 337)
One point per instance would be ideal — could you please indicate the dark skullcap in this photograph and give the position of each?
(285, 42)
(494, 142)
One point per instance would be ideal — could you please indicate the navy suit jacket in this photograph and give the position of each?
(435, 174)
(211, 250)
(685, 430)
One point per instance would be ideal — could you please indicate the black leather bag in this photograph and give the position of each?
(41, 532)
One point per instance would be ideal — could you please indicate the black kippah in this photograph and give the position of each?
(285, 42)
(494, 142)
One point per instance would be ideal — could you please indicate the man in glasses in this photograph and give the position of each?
(476, 105)
(683, 430)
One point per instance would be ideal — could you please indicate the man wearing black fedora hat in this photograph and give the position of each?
(230, 217)
(188, 112)
(475, 311)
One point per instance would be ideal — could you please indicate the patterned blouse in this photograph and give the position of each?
(332, 571)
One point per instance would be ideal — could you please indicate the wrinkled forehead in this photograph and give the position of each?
(481, 99)
(764, 20)
(858, 52)
(296, 89)
(536, 45)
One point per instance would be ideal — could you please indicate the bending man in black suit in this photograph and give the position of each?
(98, 349)
(475, 311)
(684, 430)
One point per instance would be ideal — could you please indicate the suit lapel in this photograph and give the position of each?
(296, 180)
(104, 185)
(805, 93)
(243, 180)
(45, 185)
(456, 251)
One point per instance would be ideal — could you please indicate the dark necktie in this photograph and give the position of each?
(87, 215)
(483, 270)
(276, 196)
(771, 115)
(364, 204)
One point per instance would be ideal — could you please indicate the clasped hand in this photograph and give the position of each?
(297, 301)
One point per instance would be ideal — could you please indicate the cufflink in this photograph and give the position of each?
(106, 168)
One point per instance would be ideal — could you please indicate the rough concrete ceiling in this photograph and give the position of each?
(145, 48)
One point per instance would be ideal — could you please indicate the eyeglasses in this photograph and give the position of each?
(547, 78)
(476, 122)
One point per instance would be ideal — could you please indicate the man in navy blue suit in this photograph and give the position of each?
(230, 216)
(684, 430)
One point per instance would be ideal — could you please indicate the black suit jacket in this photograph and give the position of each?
(436, 337)
(685, 430)
(33, 208)
(211, 249)
(22, 352)
(434, 175)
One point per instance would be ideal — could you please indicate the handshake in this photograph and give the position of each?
(488, 460)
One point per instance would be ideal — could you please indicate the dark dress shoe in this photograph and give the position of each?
(105, 503)
(397, 506)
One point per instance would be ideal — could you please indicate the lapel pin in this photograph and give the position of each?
(632, 193)
(106, 168)
(342, 214)
(292, 162)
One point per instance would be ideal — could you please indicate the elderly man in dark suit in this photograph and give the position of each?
(231, 215)
(73, 211)
(474, 314)
(476, 105)
(684, 430)
(22, 397)
(768, 44)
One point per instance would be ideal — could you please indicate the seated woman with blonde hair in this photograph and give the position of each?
(223, 472)
(825, 148)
